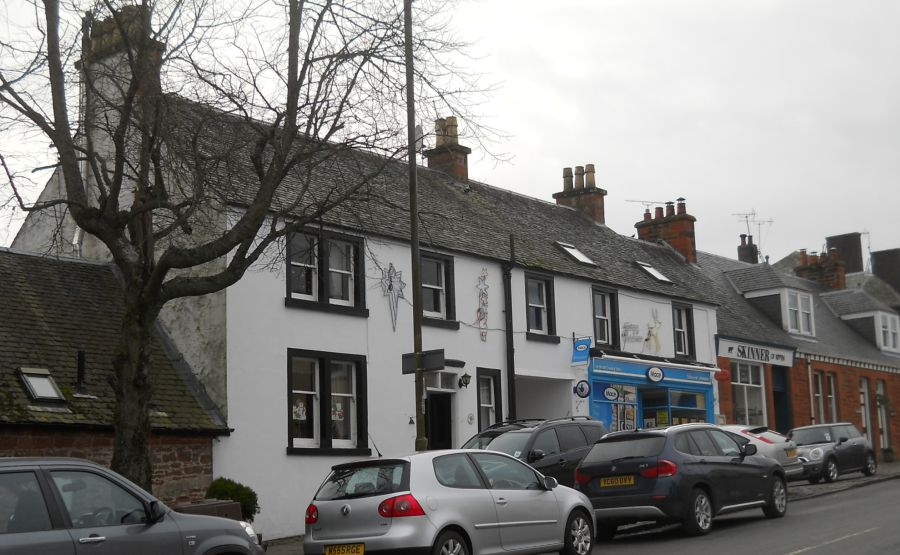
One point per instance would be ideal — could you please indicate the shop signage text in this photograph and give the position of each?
(655, 374)
(755, 353)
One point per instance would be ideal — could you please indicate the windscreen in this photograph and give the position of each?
(365, 481)
(609, 450)
(481, 441)
(511, 443)
(811, 436)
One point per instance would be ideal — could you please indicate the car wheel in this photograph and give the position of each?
(450, 543)
(606, 530)
(777, 502)
(871, 467)
(579, 538)
(700, 513)
(831, 471)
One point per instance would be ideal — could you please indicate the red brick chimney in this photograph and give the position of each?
(448, 155)
(747, 251)
(676, 228)
(826, 269)
(584, 196)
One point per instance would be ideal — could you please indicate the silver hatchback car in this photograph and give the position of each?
(770, 443)
(458, 501)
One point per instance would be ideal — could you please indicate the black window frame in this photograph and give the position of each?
(613, 316)
(322, 302)
(324, 359)
(689, 332)
(449, 320)
(549, 336)
(494, 375)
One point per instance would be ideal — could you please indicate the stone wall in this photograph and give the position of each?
(182, 464)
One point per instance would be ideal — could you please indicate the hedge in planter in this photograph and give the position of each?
(224, 488)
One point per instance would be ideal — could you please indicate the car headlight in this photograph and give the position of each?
(250, 531)
(815, 454)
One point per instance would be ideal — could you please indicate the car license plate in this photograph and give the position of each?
(791, 453)
(616, 481)
(346, 549)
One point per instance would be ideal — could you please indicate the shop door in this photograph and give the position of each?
(782, 399)
(440, 423)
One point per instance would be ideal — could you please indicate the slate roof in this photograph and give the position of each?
(876, 287)
(736, 317)
(853, 301)
(758, 277)
(459, 217)
(51, 308)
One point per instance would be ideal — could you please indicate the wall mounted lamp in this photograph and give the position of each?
(464, 381)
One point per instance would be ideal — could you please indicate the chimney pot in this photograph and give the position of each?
(579, 177)
(681, 207)
(452, 131)
(670, 209)
(440, 131)
(567, 179)
(743, 239)
(749, 239)
(814, 258)
(448, 155)
(804, 258)
(658, 213)
(647, 216)
(589, 180)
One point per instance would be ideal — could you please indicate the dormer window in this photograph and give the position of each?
(40, 385)
(800, 315)
(572, 251)
(653, 271)
(890, 328)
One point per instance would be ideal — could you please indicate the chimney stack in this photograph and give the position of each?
(676, 229)
(448, 155)
(826, 268)
(747, 251)
(849, 248)
(584, 195)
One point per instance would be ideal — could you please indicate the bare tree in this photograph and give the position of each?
(191, 139)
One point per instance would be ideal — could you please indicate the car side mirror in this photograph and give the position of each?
(550, 482)
(841, 440)
(536, 455)
(749, 449)
(155, 513)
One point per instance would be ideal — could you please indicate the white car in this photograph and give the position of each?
(770, 443)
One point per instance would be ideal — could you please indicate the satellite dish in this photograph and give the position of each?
(420, 137)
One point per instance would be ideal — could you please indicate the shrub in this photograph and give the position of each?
(223, 488)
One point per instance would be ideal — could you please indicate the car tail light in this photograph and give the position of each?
(402, 505)
(312, 514)
(581, 478)
(762, 438)
(662, 469)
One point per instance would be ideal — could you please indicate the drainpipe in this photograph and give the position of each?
(812, 407)
(510, 346)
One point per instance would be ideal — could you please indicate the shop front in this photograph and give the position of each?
(631, 393)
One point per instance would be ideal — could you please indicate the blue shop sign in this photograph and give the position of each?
(647, 371)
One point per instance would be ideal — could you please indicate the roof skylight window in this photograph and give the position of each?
(653, 271)
(40, 385)
(572, 251)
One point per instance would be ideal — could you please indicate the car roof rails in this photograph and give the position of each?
(580, 418)
(519, 421)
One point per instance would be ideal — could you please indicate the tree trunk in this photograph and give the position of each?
(131, 447)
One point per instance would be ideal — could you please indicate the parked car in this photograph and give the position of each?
(456, 501)
(689, 473)
(58, 506)
(554, 447)
(770, 443)
(832, 450)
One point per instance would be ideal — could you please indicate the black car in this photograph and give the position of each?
(688, 473)
(553, 447)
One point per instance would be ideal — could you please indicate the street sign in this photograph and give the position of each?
(431, 360)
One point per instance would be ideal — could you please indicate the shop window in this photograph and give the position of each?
(748, 394)
(327, 403)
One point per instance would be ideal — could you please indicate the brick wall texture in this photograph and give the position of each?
(182, 464)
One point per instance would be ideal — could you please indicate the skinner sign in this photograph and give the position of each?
(755, 353)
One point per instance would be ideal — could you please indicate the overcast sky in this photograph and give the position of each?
(789, 108)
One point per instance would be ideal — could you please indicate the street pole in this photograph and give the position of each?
(421, 435)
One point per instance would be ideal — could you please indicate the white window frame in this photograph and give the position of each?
(491, 405)
(794, 309)
(350, 398)
(819, 397)
(683, 331)
(541, 308)
(602, 321)
(831, 396)
(350, 273)
(747, 386)
(314, 410)
(890, 328)
(441, 287)
(314, 268)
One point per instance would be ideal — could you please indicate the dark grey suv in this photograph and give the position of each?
(832, 450)
(553, 447)
(58, 506)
